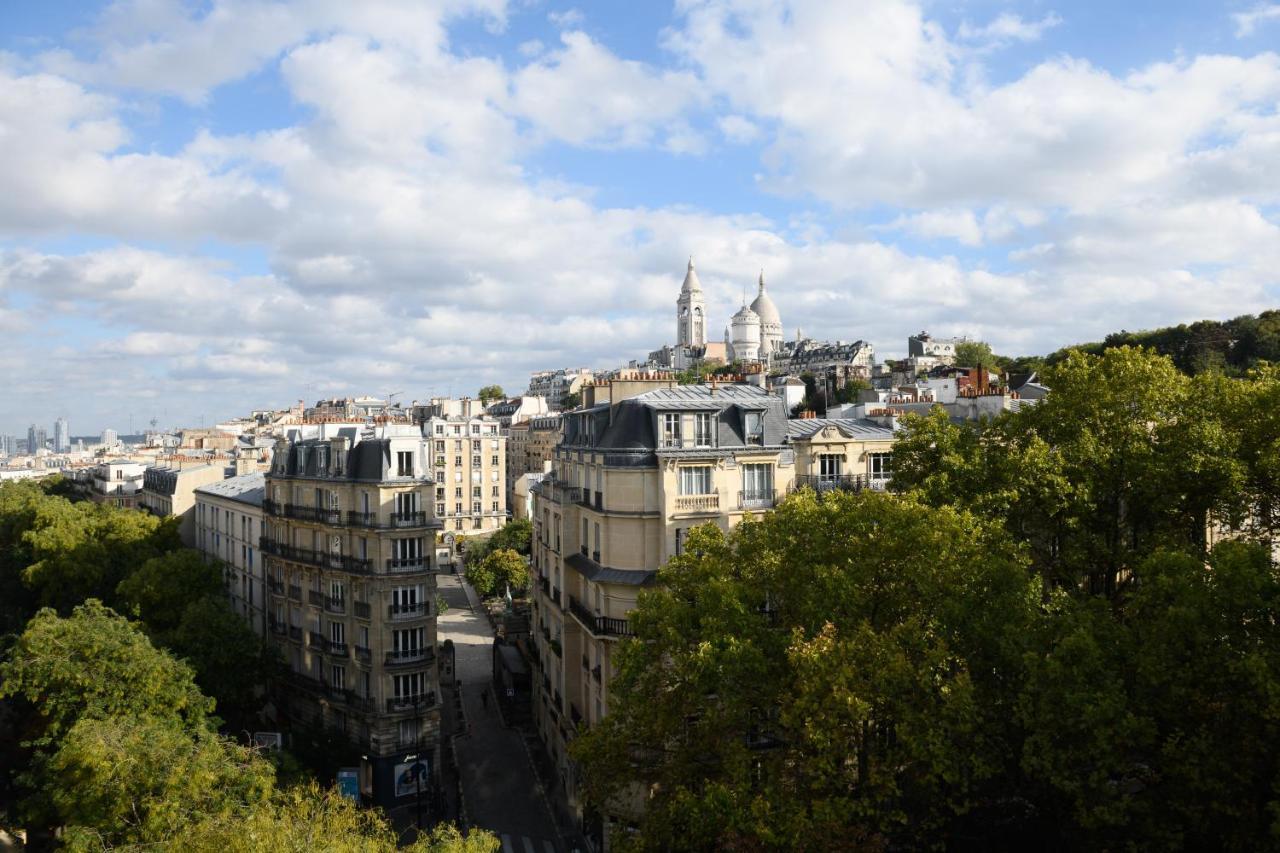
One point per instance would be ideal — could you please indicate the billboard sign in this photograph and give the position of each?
(349, 782)
(411, 774)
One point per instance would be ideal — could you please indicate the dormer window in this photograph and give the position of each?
(670, 430)
(703, 434)
(753, 427)
(404, 463)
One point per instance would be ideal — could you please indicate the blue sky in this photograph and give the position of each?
(216, 206)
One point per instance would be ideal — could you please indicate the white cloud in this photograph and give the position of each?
(1247, 22)
(959, 225)
(1007, 27)
(738, 130)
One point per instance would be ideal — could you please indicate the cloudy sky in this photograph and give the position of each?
(208, 207)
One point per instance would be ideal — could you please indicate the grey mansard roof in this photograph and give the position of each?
(852, 427)
(369, 460)
(247, 488)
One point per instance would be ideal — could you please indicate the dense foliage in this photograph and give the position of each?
(499, 561)
(1063, 627)
(109, 728)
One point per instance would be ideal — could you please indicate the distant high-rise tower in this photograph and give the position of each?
(61, 436)
(691, 312)
(36, 439)
(108, 437)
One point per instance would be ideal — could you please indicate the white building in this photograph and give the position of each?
(555, 385)
(228, 523)
(117, 482)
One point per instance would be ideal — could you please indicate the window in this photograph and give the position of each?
(753, 424)
(406, 504)
(409, 686)
(408, 641)
(695, 480)
(495, 491)
(475, 491)
(404, 463)
(670, 430)
(702, 430)
(406, 549)
(338, 677)
(475, 461)
(493, 460)
(475, 445)
(475, 524)
(495, 506)
(337, 591)
(439, 445)
(338, 633)
(440, 509)
(757, 484)
(830, 466)
(457, 461)
(475, 508)
(681, 536)
(408, 732)
(457, 508)
(880, 465)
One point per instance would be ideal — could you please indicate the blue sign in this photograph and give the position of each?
(349, 783)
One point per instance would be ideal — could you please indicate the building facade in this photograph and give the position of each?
(468, 461)
(117, 482)
(228, 528)
(530, 446)
(61, 436)
(348, 540)
(555, 385)
(635, 472)
(170, 490)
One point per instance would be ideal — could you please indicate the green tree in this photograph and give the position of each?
(846, 668)
(509, 569)
(479, 573)
(130, 780)
(516, 535)
(161, 588)
(304, 819)
(570, 401)
(491, 394)
(975, 354)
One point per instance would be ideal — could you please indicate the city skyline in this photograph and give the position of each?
(210, 208)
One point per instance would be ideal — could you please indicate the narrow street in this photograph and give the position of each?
(500, 790)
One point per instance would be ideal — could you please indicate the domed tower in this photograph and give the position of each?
(745, 333)
(770, 322)
(691, 312)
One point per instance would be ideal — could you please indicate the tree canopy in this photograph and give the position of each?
(491, 394)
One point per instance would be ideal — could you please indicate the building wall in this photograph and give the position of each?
(172, 493)
(468, 458)
(338, 580)
(230, 530)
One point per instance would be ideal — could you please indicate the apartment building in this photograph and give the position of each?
(169, 489)
(348, 540)
(228, 525)
(641, 465)
(530, 446)
(555, 385)
(117, 482)
(468, 460)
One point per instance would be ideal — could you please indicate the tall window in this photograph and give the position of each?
(410, 685)
(408, 732)
(406, 549)
(408, 641)
(702, 430)
(880, 465)
(757, 482)
(695, 480)
(338, 633)
(404, 463)
(671, 429)
(338, 677)
(753, 423)
(830, 466)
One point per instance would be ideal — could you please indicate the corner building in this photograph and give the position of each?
(348, 539)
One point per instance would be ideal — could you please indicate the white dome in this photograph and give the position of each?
(764, 307)
(746, 317)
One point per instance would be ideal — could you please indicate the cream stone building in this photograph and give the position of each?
(169, 489)
(642, 464)
(348, 540)
(228, 528)
(468, 460)
(530, 446)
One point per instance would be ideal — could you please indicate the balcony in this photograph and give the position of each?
(318, 559)
(407, 657)
(395, 521)
(339, 649)
(407, 611)
(276, 586)
(839, 482)
(757, 499)
(363, 610)
(302, 513)
(600, 626)
(316, 640)
(411, 703)
(408, 564)
(335, 605)
(315, 598)
(697, 503)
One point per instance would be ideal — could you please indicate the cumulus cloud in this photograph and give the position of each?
(1248, 22)
(409, 236)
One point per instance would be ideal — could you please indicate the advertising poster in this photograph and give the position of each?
(407, 776)
(349, 782)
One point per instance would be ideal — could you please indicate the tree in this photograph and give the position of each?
(305, 818)
(498, 570)
(491, 393)
(846, 668)
(130, 780)
(570, 401)
(974, 354)
(516, 535)
(159, 591)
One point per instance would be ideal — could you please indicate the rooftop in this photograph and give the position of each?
(247, 488)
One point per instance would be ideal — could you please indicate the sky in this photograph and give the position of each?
(213, 207)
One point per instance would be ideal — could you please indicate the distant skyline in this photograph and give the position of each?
(207, 208)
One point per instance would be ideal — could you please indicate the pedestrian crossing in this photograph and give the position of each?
(525, 844)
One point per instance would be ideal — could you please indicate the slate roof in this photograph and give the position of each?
(247, 488)
(856, 427)
(593, 571)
